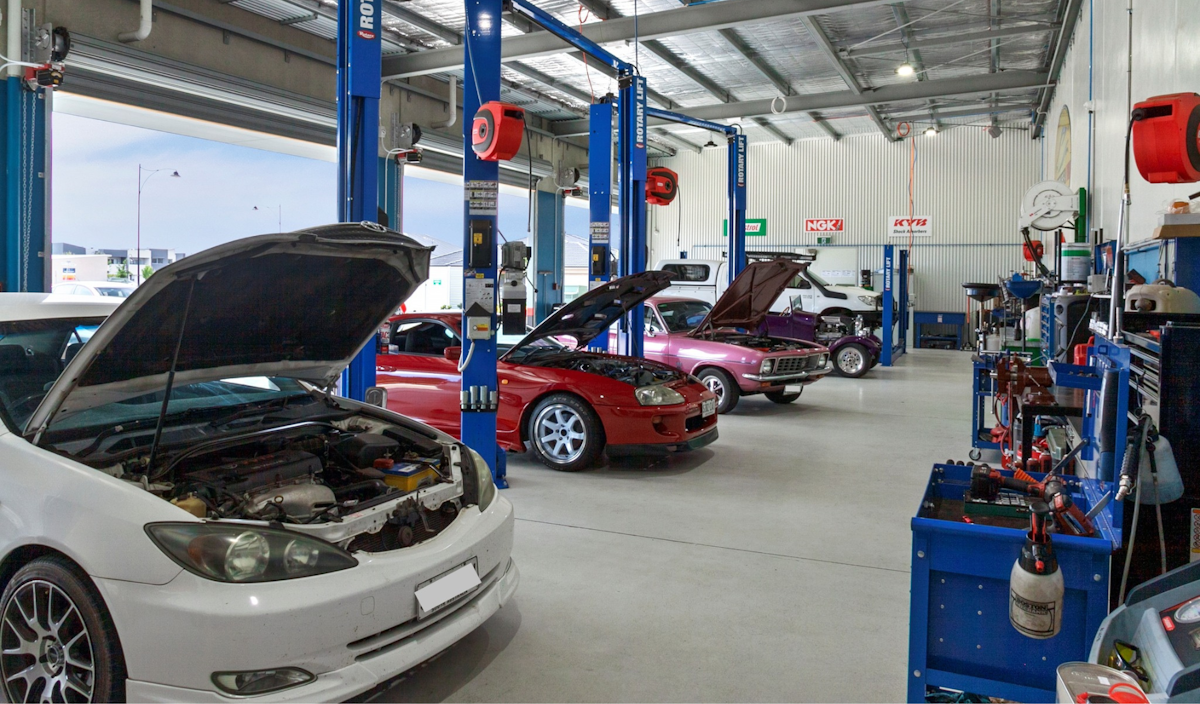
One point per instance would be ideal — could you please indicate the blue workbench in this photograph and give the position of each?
(933, 317)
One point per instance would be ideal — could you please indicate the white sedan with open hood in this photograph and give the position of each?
(187, 515)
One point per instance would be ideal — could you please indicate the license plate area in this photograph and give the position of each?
(793, 388)
(708, 407)
(435, 594)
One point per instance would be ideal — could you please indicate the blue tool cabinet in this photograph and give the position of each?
(982, 390)
(959, 633)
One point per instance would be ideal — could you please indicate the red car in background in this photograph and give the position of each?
(567, 404)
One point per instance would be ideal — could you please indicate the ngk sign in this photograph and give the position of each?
(824, 225)
(905, 226)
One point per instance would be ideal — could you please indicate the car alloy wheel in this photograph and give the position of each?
(716, 385)
(559, 433)
(723, 387)
(853, 360)
(47, 649)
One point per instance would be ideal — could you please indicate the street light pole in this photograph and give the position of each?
(142, 182)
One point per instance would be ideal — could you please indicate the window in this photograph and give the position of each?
(800, 282)
(32, 355)
(687, 272)
(681, 316)
(652, 324)
(422, 337)
(114, 291)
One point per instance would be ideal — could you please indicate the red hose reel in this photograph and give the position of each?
(662, 185)
(1166, 138)
(497, 131)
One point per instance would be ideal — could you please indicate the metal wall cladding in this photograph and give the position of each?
(969, 183)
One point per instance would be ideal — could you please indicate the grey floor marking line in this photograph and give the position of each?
(717, 547)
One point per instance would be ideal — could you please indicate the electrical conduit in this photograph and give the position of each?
(146, 19)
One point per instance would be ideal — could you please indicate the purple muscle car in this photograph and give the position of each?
(723, 346)
(853, 349)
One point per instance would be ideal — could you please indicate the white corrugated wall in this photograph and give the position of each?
(968, 182)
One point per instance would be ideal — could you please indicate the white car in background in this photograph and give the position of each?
(253, 536)
(113, 289)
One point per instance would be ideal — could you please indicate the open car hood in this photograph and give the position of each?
(299, 304)
(746, 302)
(595, 311)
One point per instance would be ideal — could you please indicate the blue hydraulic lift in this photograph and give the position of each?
(358, 87)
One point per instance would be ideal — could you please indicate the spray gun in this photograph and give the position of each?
(1133, 456)
(1035, 585)
(986, 484)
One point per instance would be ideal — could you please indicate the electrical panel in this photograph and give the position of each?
(483, 244)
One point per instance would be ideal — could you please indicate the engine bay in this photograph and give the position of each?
(762, 343)
(635, 372)
(354, 481)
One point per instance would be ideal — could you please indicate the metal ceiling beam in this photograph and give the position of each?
(947, 40)
(298, 19)
(826, 46)
(824, 125)
(900, 13)
(655, 25)
(965, 112)
(1069, 20)
(765, 68)
(901, 92)
(438, 30)
(675, 139)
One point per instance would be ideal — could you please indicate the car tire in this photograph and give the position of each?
(782, 397)
(565, 433)
(852, 360)
(722, 384)
(55, 628)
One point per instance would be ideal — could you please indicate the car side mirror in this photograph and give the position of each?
(453, 353)
(376, 396)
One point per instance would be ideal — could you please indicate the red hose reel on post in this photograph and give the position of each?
(497, 131)
(662, 185)
(1166, 138)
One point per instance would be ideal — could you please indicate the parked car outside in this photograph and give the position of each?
(724, 346)
(566, 404)
(190, 516)
(114, 289)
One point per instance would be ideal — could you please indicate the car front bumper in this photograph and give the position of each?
(353, 629)
(772, 380)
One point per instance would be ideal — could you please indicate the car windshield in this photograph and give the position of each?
(505, 343)
(200, 398)
(681, 316)
(813, 275)
(114, 291)
(32, 355)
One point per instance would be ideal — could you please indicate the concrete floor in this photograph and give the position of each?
(771, 566)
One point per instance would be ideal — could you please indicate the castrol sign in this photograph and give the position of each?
(906, 226)
(824, 225)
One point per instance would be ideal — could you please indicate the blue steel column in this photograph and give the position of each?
(549, 242)
(600, 160)
(481, 84)
(737, 205)
(24, 250)
(358, 79)
(632, 202)
(888, 334)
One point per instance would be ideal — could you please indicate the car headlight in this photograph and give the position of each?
(241, 553)
(483, 475)
(872, 301)
(822, 360)
(767, 366)
(658, 395)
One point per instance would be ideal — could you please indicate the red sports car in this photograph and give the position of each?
(567, 403)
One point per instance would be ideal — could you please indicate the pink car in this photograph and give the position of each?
(726, 346)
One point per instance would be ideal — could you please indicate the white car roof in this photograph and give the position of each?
(113, 284)
(44, 306)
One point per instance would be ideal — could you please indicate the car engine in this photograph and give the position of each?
(354, 481)
(635, 372)
(762, 343)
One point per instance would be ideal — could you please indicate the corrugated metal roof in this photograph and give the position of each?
(785, 44)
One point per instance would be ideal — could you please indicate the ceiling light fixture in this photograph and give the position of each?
(931, 132)
(994, 131)
(905, 69)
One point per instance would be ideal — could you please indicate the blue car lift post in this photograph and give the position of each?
(359, 53)
(600, 159)
(736, 183)
(631, 150)
(895, 304)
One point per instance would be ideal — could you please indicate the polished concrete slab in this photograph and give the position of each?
(771, 566)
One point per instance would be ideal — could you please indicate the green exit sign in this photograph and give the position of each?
(828, 239)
